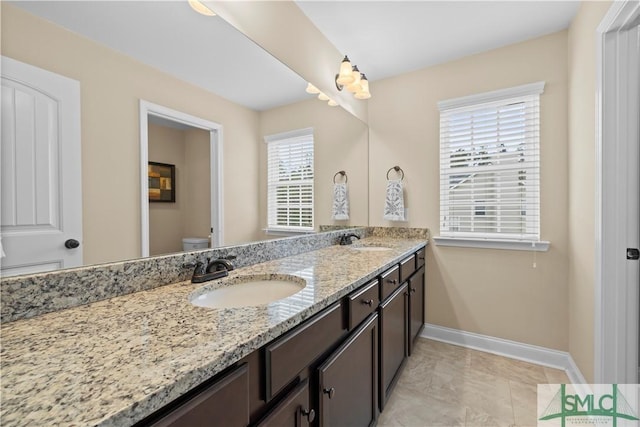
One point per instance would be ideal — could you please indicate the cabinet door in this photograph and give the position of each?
(416, 307)
(393, 339)
(224, 403)
(293, 410)
(348, 380)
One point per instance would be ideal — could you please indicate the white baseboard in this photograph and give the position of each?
(512, 349)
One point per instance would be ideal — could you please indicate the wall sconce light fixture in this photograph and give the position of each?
(351, 78)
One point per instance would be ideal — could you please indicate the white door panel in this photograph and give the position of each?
(633, 200)
(41, 172)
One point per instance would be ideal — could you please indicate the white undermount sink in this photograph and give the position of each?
(247, 291)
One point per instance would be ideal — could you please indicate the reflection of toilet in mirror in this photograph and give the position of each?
(194, 243)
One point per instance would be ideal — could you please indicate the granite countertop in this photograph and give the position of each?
(113, 362)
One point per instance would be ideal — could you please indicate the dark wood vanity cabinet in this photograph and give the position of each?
(393, 339)
(416, 307)
(337, 368)
(225, 402)
(348, 380)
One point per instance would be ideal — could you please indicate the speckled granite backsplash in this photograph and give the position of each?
(28, 296)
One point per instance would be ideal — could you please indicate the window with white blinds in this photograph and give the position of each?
(490, 165)
(290, 181)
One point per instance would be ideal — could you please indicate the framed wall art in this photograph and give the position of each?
(162, 182)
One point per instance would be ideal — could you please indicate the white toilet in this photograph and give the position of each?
(194, 243)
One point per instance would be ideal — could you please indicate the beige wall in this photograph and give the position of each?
(582, 113)
(111, 85)
(515, 295)
(340, 143)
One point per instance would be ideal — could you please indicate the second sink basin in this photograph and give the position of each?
(247, 291)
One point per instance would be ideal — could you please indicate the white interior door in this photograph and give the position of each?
(633, 199)
(41, 192)
(617, 298)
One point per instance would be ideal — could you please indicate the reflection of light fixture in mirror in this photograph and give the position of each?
(353, 80)
(323, 97)
(364, 89)
(355, 86)
(200, 8)
(312, 89)
(332, 103)
(345, 76)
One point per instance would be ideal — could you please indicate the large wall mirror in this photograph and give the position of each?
(166, 54)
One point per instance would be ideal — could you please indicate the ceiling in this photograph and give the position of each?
(387, 38)
(170, 36)
(384, 38)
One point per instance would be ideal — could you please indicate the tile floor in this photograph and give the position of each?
(448, 385)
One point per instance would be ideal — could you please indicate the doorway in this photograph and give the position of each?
(617, 303)
(159, 117)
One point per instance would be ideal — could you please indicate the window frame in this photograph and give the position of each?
(285, 138)
(530, 239)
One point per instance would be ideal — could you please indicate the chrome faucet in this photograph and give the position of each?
(345, 239)
(215, 269)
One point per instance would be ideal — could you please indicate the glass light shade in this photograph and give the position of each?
(355, 86)
(345, 76)
(332, 103)
(364, 89)
(323, 97)
(200, 8)
(312, 89)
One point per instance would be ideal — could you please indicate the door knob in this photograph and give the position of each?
(330, 391)
(71, 244)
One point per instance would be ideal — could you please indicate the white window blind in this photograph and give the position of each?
(290, 181)
(490, 165)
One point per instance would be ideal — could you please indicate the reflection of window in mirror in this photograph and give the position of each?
(290, 181)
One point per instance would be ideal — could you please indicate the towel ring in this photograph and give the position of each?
(398, 169)
(343, 173)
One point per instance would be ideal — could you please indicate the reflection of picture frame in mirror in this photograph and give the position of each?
(162, 182)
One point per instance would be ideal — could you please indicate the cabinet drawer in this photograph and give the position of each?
(293, 409)
(407, 267)
(420, 258)
(287, 356)
(224, 403)
(362, 303)
(389, 282)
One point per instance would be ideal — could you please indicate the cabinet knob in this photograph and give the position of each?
(413, 290)
(368, 302)
(310, 414)
(330, 391)
(392, 281)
